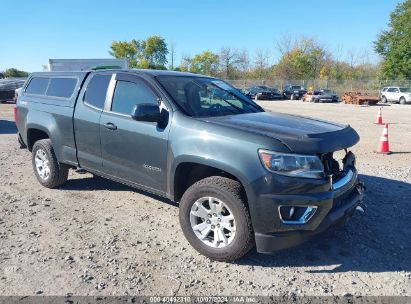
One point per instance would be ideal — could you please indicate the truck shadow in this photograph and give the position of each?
(7, 127)
(376, 241)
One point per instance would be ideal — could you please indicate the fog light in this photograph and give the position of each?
(296, 215)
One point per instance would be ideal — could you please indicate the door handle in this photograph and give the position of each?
(110, 126)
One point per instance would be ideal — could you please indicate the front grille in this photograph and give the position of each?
(332, 166)
(339, 165)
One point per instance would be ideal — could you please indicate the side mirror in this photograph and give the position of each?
(146, 112)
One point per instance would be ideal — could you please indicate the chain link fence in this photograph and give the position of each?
(370, 86)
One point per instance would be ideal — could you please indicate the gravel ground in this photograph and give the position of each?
(96, 237)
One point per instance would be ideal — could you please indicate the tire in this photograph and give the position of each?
(53, 173)
(384, 99)
(402, 100)
(229, 194)
(292, 97)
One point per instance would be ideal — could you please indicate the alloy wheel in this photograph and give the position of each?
(212, 222)
(42, 164)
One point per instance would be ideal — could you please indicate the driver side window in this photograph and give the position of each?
(127, 94)
(212, 96)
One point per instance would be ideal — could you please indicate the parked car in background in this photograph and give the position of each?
(243, 177)
(8, 88)
(263, 93)
(293, 91)
(396, 94)
(17, 93)
(322, 95)
(330, 92)
(382, 92)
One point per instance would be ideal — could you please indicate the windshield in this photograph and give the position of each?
(204, 97)
(405, 90)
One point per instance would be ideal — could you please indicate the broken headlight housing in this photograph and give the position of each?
(308, 166)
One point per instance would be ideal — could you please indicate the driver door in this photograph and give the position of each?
(133, 151)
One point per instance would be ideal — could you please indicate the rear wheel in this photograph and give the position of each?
(402, 100)
(49, 172)
(215, 220)
(384, 99)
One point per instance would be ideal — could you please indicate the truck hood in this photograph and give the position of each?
(300, 134)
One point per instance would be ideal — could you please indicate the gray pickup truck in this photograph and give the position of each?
(243, 177)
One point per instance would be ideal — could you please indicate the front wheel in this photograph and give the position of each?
(49, 172)
(402, 100)
(292, 97)
(215, 219)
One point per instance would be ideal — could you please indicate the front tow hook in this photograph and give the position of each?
(360, 208)
(361, 189)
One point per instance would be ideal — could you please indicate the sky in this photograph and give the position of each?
(38, 30)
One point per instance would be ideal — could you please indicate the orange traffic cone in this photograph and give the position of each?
(378, 121)
(384, 146)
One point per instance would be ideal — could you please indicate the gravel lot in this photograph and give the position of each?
(96, 237)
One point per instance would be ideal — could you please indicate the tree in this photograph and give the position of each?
(147, 54)
(394, 44)
(125, 50)
(303, 60)
(185, 63)
(229, 60)
(154, 52)
(261, 65)
(243, 63)
(12, 72)
(205, 63)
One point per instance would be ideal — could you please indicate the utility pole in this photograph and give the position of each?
(172, 53)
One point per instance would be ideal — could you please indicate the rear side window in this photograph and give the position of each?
(97, 90)
(128, 94)
(61, 87)
(38, 85)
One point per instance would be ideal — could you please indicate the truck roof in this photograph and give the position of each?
(152, 73)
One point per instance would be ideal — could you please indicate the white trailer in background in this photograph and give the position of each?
(84, 64)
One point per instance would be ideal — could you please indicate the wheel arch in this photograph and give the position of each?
(38, 125)
(36, 133)
(188, 171)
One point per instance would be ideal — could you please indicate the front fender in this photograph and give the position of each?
(227, 149)
(239, 172)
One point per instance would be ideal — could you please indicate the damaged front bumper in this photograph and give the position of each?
(321, 206)
(270, 242)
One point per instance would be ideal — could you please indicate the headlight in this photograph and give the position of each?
(296, 91)
(292, 164)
